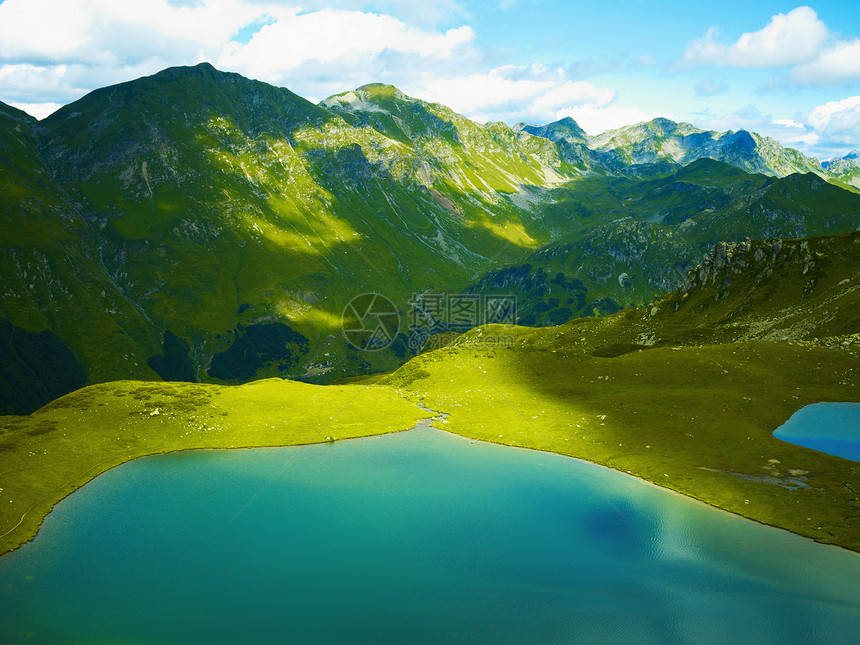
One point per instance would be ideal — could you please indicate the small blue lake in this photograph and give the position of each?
(419, 537)
(833, 428)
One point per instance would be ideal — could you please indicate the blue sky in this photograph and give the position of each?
(787, 70)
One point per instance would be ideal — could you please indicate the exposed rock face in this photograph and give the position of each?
(730, 259)
(845, 169)
(777, 290)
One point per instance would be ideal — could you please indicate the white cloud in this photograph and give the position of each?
(82, 44)
(42, 30)
(332, 35)
(534, 95)
(408, 10)
(109, 32)
(25, 73)
(788, 39)
(483, 93)
(788, 123)
(839, 63)
(837, 122)
(38, 110)
(570, 95)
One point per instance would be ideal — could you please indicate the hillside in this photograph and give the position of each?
(622, 241)
(246, 207)
(55, 291)
(197, 225)
(687, 391)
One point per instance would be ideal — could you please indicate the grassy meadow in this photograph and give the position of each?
(47, 455)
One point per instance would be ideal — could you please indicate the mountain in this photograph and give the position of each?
(622, 242)
(660, 143)
(198, 225)
(63, 321)
(686, 391)
(208, 218)
(846, 170)
(565, 129)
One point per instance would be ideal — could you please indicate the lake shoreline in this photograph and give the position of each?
(422, 423)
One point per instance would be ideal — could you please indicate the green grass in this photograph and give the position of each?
(51, 453)
(681, 417)
(684, 393)
(632, 240)
(169, 202)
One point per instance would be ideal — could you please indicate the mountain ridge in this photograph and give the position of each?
(188, 222)
(664, 140)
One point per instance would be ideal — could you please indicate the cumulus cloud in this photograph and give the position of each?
(535, 95)
(788, 39)
(788, 123)
(836, 123)
(108, 32)
(425, 13)
(57, 50)
(837, 64)
(798, 40)
(332, 35)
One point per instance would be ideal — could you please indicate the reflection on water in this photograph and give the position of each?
(418, 537)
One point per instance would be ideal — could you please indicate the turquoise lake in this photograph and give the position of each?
(412, 538)
(833, 428)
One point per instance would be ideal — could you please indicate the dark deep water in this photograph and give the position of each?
(417, 537)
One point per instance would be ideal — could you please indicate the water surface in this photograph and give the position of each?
(417, 537)
(833, 428)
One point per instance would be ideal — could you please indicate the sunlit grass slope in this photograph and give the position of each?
(47, 455)
(687, 391)
(694, 419)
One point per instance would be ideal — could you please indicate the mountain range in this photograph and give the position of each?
(198, 225)
(684, 392)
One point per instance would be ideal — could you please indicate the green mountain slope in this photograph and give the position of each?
(687, 391)
(54, 280)
(197, 225)
(625, 241)
(219, 204)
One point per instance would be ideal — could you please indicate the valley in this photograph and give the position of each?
(199, 226)
(680, 292)
(684, 392)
